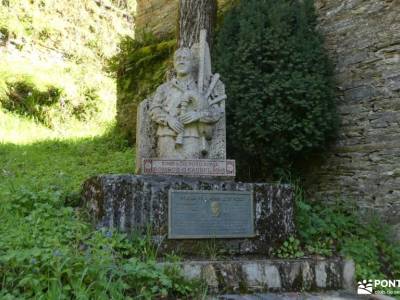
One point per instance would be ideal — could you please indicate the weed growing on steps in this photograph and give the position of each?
(325, 229)
(289, 249)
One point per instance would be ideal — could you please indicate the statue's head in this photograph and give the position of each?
(183, 61)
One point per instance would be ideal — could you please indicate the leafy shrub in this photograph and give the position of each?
(46, 103)
(373, 248)
(280, 96)
(36, 94)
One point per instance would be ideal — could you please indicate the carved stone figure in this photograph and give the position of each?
(185, 118)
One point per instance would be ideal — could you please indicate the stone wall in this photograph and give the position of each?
(156, 16)
(160, 16)
(363, 40)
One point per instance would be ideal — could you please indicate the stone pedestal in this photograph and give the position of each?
(134, 203)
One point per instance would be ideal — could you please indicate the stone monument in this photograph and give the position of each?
(185, 118)
(185, 191)
(185, 186)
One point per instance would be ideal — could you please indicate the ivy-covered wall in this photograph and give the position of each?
(141, 67)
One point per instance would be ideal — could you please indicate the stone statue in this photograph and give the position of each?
(185, 118)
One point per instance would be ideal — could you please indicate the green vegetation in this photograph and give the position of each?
(289, 249)
(48, 250)
(39, 92)
(325, 229)
(53, 57)
(57, 106)
(278, 79)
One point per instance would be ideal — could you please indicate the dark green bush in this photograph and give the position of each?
(280, 95)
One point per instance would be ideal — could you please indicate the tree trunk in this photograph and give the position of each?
(195, 15)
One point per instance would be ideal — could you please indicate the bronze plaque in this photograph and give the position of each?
(189, 167)
(210, 214)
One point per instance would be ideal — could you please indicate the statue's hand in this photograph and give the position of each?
(190, 117)
(194, 96)
(175, 124)
(160, 118)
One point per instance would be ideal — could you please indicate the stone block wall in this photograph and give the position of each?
(363, 41)
(156, 16)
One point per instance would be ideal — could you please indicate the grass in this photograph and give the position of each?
(63, 163)
(54, 56)
(57, 111)
(47, 249)
(56, 94)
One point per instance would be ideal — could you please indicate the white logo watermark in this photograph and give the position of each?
(365, 287)
(378, 286)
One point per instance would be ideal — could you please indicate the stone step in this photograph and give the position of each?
(329, 295)
(272, 275)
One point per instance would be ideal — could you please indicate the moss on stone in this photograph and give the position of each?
(141, 67)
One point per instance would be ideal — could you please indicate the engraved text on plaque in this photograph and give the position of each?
(210, 214)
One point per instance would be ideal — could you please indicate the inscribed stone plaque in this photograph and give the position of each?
(194, 167)
(210, 214)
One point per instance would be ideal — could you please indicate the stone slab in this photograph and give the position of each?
(271, 275)
(195, 167)
(135, 202)
(210, 214)
(328, 295)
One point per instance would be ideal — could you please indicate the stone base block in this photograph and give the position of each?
(244, 276)
(132, 203)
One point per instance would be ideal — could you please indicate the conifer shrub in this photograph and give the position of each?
(280, 105)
